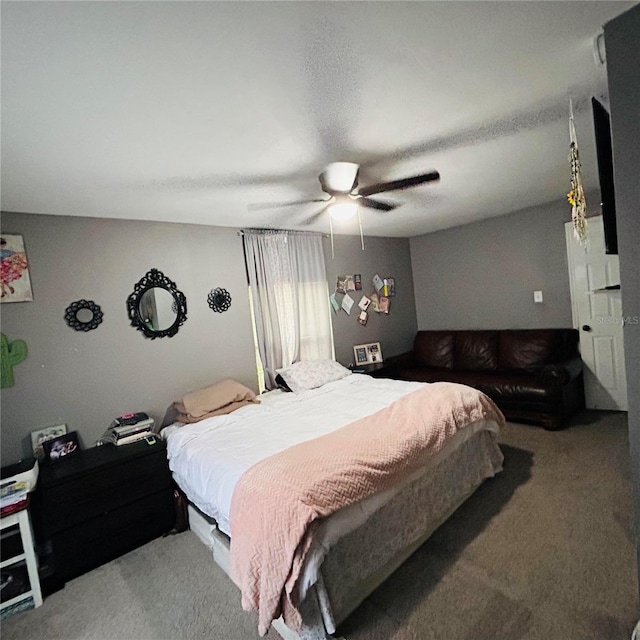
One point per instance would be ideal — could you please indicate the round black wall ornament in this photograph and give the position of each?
(219, 300)
(83, 315)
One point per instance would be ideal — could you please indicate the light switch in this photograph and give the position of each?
(537, 296)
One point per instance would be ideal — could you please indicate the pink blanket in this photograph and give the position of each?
(277, 503)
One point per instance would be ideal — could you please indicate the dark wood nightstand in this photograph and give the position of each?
(376, 370)
(99, 504)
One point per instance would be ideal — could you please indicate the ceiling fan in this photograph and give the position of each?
(339, 181)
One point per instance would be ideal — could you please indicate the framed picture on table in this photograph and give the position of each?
(369, 353)
(61, 447)
(39, 437)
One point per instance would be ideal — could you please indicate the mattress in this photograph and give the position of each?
(207, 458)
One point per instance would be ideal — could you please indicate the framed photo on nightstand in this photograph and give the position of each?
(61, 447)
(370, 353)
(39, 436)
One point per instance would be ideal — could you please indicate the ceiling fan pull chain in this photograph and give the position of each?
(360, 225)
(331, 228)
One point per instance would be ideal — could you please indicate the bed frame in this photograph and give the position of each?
(363, 559)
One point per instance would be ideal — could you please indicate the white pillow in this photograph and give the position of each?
(309, 374)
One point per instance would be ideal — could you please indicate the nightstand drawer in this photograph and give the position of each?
(96, 541)
(103, 490)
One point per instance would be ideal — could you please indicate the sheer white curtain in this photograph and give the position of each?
(288, 281)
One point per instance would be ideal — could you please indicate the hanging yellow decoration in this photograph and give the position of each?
(576, 195)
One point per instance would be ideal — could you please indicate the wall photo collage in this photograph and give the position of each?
(378, 299)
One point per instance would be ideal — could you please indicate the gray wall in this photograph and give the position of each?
(86, 379)
(388, 257)
(623, 61)
(483, 275)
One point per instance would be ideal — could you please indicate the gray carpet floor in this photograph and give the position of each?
(544, 551)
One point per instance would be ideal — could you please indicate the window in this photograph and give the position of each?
(289, 298)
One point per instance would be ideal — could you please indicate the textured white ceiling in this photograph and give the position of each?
(193, 111)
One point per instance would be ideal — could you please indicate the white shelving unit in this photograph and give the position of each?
(21, 521)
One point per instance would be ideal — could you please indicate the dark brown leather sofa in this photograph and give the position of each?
(533, 375)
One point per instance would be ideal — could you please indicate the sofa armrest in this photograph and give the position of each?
(560, 373)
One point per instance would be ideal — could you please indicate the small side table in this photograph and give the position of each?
(17, 544)
(376, 370)
(99, 504)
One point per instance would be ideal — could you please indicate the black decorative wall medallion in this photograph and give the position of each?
(219, 300)
(83, 315)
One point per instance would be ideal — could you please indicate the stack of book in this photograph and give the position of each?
(126, 434)
(13, 497)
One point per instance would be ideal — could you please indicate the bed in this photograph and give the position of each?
(353, 549)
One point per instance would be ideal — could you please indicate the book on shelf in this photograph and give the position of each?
(112, 437)
(125, 432)
(16, 506)
(134, 437)
(129, 429)
(13, 493)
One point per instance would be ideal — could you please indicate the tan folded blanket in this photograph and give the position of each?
(277, 504)
(215, 400)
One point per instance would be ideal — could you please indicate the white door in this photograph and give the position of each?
(597, 313)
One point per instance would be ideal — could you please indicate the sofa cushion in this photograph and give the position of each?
(528, 349)
(475, 351)
(500, 387)
(434, 349)
(504, 388)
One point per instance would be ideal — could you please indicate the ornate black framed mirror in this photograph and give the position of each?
(156, 307)
(83, 315)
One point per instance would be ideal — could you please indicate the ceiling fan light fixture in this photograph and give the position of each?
(343, 210)
(341, 176)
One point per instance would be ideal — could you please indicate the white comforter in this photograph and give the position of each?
(207, 458)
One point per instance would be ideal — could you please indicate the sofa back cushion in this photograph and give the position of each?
(529, 349)
(434, 349)
(475, 351)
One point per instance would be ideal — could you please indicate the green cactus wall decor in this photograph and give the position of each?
(11, 354)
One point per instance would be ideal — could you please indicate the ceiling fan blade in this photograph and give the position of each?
(259, 206)
(315, 216)
(376, 204)
(394, 185)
